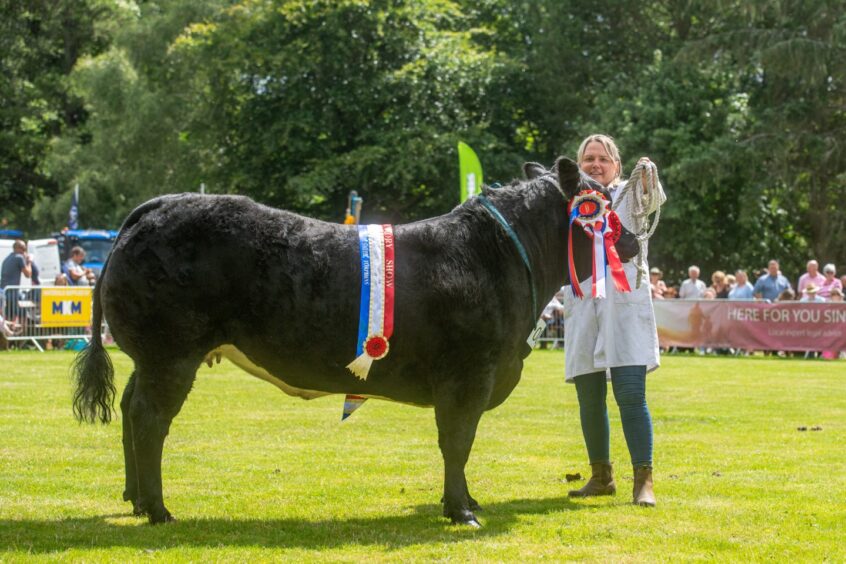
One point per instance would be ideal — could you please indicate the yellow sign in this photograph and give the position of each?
(66, 307)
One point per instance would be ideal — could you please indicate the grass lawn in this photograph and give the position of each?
(252, 474)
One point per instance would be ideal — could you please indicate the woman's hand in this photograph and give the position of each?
(643, 181)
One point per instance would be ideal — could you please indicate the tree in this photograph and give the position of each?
(313, 99)
(40, 42)
(137, 141)
(790, 58)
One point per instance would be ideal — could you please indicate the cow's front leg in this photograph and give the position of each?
(472, 503)
(458, 408)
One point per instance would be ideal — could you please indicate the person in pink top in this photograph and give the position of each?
(812, 276)
(830, 281)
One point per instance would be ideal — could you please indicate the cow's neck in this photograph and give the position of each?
(537, 212)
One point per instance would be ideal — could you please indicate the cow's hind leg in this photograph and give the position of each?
(158, 395)
(458, 408)
(130, 492)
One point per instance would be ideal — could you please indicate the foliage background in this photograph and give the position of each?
(297, 102)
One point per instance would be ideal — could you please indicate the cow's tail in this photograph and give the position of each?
(92, 369)
(93, 372)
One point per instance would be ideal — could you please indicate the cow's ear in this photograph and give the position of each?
(569, 176)
(533, 170)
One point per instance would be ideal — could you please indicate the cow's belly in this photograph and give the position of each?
(240, 360)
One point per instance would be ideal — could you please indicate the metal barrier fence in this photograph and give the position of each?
(553, 335)
(47, 316)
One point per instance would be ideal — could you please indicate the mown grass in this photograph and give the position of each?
(255, 475)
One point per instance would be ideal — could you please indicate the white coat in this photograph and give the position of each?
(618, 330)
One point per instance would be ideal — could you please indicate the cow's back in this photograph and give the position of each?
(204, 270)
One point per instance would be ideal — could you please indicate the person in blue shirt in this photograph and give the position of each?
(771, 284)
(743, 289)
(14, 266)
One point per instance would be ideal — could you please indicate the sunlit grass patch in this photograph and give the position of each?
(252, 474)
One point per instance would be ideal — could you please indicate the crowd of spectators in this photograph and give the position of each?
(770, 285)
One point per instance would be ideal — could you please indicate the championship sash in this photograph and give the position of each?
(590, 209)
(376, 310)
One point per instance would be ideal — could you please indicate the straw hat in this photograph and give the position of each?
(811, 288)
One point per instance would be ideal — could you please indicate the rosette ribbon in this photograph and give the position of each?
(376, 310)
(590, 209)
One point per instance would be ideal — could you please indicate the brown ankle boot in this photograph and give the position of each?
(600, 483)
(642, 493)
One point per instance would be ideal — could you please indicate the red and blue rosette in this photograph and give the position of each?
(591, 210)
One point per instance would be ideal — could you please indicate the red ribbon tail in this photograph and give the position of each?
(621, 283)
(390, 276)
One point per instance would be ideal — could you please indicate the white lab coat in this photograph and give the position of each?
(615, 331)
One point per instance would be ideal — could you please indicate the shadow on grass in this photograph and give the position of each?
(423, 526)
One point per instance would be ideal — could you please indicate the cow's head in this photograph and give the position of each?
(571, 181)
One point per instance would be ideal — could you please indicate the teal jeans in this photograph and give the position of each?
(629, 384)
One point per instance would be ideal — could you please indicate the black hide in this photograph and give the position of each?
(189, 273)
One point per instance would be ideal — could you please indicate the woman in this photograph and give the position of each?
(659, 288)
(720, 285)
(830, 283)
(615, 335)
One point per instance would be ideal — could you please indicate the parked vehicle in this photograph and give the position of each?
(45, 254)
(11, 234)
(96, 242)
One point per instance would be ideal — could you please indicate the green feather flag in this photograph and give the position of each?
(471, 171)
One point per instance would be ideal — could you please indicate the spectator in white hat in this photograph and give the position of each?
(658, 286)
(830, 283)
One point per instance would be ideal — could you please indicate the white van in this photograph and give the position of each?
(45, 254)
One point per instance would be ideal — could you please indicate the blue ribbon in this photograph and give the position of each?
(364, 308)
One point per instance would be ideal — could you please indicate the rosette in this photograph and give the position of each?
(591, 210)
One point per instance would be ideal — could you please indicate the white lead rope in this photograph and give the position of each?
(646, 195)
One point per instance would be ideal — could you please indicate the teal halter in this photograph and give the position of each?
(520, 248)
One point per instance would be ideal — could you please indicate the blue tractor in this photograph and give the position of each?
(11, 234)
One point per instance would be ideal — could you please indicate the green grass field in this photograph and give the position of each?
(252, 474)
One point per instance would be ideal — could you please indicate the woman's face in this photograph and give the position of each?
(598, 164)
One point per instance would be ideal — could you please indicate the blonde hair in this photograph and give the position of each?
(610, 147)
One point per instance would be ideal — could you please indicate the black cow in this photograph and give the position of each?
(192, 276)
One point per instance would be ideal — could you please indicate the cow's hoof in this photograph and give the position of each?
(162, 516)
(472, 523)
(466, 518)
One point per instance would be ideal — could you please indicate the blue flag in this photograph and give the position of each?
(73, 214)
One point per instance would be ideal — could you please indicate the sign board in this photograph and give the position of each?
(66, 307)
(753, 325)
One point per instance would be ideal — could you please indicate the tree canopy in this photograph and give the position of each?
(296, 102)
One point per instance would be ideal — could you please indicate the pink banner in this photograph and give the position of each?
(784, 326)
